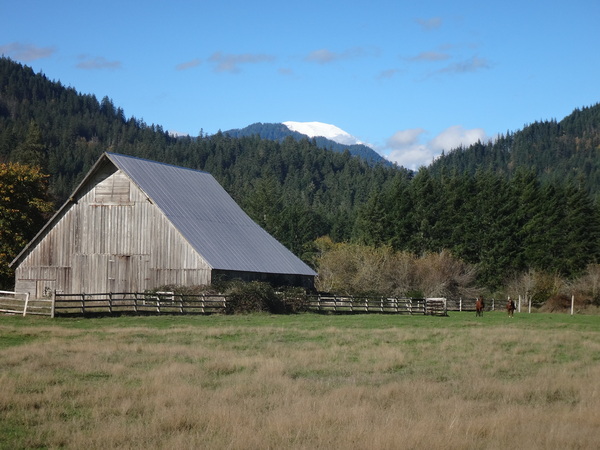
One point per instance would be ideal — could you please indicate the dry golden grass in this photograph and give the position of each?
(333, 384)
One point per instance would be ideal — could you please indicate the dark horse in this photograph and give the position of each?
(510, 307)
(479, 305)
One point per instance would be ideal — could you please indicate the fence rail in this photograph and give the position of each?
(391, 305)
(137, 303)
(20, 303)
(171, 303)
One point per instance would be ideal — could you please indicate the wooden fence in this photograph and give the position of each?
(137, 303)
(20, 303)
(392, 305)
(170, 303)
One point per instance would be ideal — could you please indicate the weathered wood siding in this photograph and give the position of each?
(110, 239)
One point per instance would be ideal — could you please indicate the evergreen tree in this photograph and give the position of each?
(32, 151)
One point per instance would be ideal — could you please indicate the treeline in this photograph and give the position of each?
(501, 221)
(503, 226)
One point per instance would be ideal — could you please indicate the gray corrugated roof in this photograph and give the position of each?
(209, 219)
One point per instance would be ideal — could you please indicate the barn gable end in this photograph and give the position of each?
(134, 224)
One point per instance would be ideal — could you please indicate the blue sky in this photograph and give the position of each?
(409, 78)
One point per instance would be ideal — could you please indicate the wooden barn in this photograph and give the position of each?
(134, 224)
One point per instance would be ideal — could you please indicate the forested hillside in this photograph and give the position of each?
(520, 203)
(568, 150)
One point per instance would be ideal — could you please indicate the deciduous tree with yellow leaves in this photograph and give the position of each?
(24, 207)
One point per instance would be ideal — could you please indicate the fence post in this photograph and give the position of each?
(110, 302)
(460, 304)
(26, 303)
(82, 303)
(572, 303)
(53, 305)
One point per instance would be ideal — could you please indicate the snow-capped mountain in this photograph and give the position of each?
(325, 136)
(316, 129)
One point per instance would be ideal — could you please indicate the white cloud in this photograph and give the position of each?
(404, 138)
(456, 136)
(412, 157)
(406, 148)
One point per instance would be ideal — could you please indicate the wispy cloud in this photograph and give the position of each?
(97, 63)
(231, 63)
(430, 56)
(388, 73)
(469, 65)
(430, 24)
(189, 64)
(325, 56)
(26, 52)
(286, 71)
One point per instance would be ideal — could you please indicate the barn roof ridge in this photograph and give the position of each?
(122, 155)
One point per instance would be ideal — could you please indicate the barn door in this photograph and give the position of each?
(119, 273)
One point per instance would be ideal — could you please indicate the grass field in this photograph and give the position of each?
(303, 381)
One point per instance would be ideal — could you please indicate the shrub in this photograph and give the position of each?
(244, 298)
(293, 300)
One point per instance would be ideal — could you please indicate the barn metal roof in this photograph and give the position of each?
(209, 219)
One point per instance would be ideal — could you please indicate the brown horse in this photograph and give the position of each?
(479, 305)
(510, 307)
